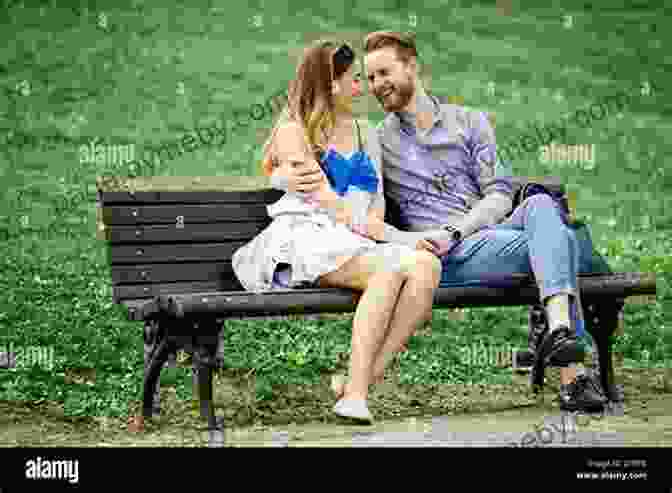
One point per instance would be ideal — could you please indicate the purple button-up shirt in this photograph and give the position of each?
(439, 176)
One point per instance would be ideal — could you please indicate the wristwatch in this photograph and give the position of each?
(457, 234)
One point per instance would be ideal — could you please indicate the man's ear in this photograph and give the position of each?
(335, 88)
(412, 67)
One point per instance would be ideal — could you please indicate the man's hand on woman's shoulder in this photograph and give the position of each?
(302, 173)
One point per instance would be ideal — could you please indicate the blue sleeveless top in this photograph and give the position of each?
(342, 172)
(357, 171)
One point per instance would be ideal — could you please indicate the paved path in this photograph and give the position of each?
(500, 429)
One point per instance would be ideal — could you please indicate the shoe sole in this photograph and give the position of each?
(525, 361)
(354, 420)
(351, 418)
(594, 408)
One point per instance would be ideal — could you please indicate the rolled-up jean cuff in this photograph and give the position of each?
(577, 315)
(548, 291)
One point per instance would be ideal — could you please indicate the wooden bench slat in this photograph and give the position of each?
(137, 291)
(178, 189)
(173, 253)
(202, 213)
(153, 251)
(181, 183)
(158, 273)
(140, 309)
(243, 303)
(264, 195)
(192, 232)
(521, 291)
(176, 215)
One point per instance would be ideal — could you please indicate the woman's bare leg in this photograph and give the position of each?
(413, 309)
(421, 272)
(369, 328)
(381, 289)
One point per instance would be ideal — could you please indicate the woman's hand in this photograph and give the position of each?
(438, 242)
(342, 211)
(425, 244)
(374, 228)
(438, 248)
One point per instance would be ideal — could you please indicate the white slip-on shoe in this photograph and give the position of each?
(356, 410)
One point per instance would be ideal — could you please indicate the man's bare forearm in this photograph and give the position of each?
(487, 212)
(394, 235)
(382, 231)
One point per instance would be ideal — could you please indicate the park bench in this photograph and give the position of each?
(170, 242)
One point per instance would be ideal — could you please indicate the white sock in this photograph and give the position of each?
(557, 309)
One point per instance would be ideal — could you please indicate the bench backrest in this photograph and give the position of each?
(177, 234)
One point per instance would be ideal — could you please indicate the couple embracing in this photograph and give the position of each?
(328, 230)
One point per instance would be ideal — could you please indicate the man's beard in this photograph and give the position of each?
(399, 99)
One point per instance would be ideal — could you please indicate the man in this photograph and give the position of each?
(439, 165)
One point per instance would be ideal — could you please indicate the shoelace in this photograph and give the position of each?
(581, 383)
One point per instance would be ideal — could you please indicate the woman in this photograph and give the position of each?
(319, 241)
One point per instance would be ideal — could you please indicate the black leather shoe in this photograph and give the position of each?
(582, 395)
(559, 347)
(538, 331)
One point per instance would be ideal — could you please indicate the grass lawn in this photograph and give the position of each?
(141, 74)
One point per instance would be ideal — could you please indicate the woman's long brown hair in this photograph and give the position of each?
(309, 101)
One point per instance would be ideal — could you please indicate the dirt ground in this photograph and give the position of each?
(438, 415)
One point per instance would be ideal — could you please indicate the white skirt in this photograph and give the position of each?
(318, 247)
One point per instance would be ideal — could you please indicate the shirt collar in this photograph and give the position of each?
(423, 103)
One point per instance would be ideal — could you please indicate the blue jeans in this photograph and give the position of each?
(533, 240)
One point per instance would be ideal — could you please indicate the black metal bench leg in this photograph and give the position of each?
(605, 318)
(152, 375)
(151, 337)
(606, 370)
(537, 377)
(205, 355)
(205, 395)
(538, 325)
